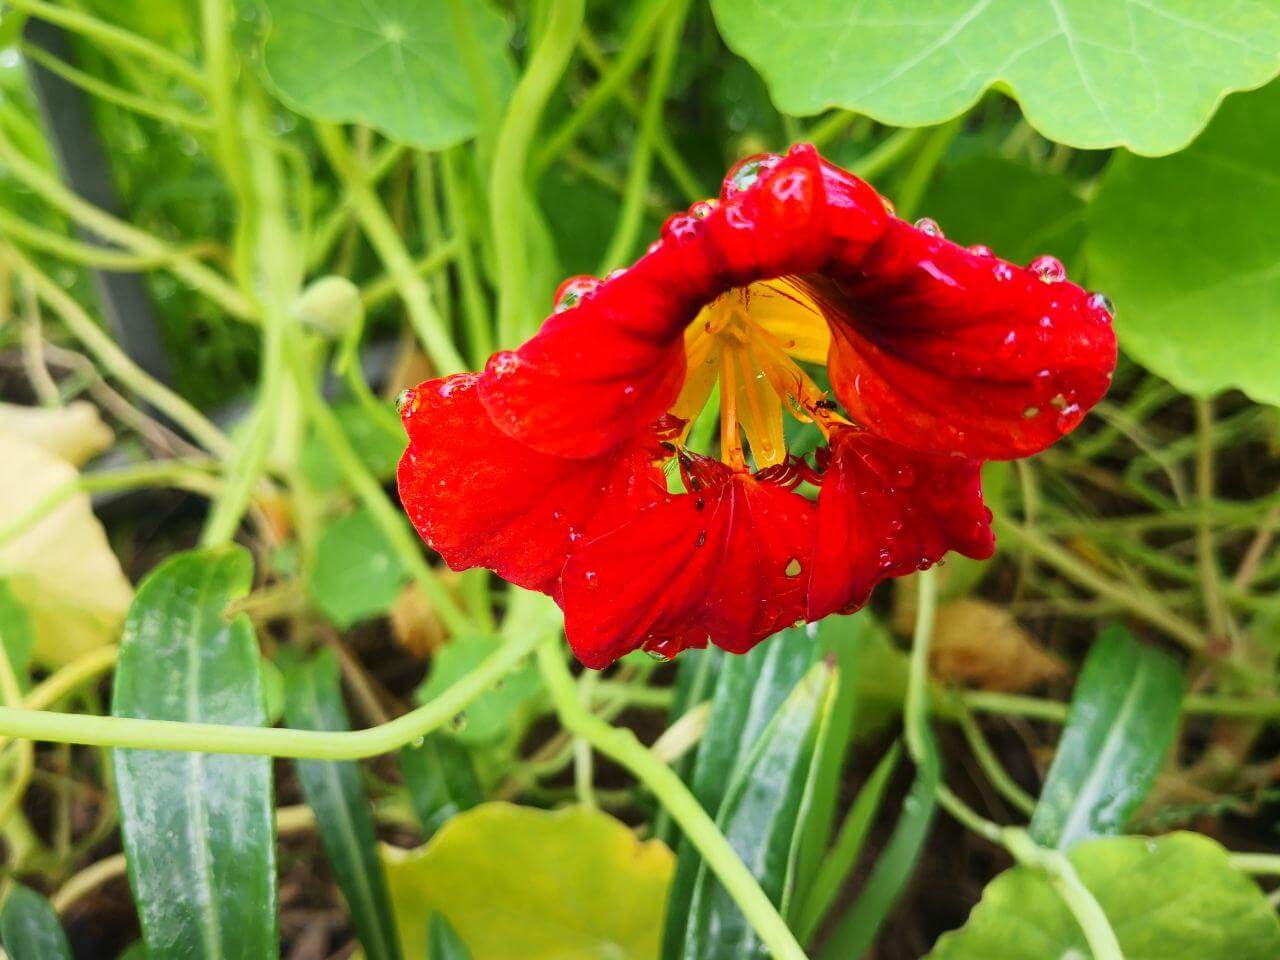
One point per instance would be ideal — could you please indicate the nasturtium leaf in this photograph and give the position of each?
(404, 67)
(1172, 898)
(574, 884)
(1188, 247)
(29, 928)
(357, 573)
(492, 715)
(1016, 210)
(60, 568)
(1124, 715)
(198, 829)
(313, 701)
(1146, 74)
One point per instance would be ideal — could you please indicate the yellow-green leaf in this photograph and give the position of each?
(572, 884)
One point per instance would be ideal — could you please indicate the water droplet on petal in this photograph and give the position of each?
(404, 400)
(929, 227)
(504, 363)
(680, 225)
(793, 568)
(980, 250)
(591, 577)
(573, 291)
(1031, 412)
(1048, 269)
(702, 209)
(885, 558)
(747, 172)
(1003, 272)
(702, 538)
(1100, 301)
(1058, 401)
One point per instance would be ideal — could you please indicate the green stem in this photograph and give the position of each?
(611, 82)
(99, 88)
(916, 705)
(829, 127)
(475, 309)
(371, 494)
(117, 362)
(113, 36)
(86, 254)
(330, 228)
(48, 188)
(161, 473)
(259, 741)
(386, 242)
(917, 178)
(991, 765)
(507, 194)
(631, 216)
(384, 288)
(1078, 898)
(1206, 552)
(621, 745)
(1258, 863)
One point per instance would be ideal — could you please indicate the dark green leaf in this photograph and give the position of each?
(443, 943)
(759, 817)
(1089, 73)
(29, 928)
(199, 829)
(357, 573)
(492, 715)
(441, 779)
(313, 701)
(748, 693)
(404, 67)
(1018, 211)
(857, 928)
(17, 633)
(1123, 716)
(842, 856)
(1172, 898)
(1195, 274)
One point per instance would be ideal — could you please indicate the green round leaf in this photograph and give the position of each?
(494, 713)
(1146, 74)
(357, 574)
(1189, 249)
(517, 882)
(400, 66)
(1174, 898)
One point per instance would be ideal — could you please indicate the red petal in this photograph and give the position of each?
(725, 564)
(885, 511)
(614, 362)
(942, 349)
(481, 499)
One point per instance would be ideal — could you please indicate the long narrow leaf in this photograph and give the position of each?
(313, 701)
(199, 829)
(1124, 715)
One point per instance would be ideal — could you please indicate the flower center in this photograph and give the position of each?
(750, 340)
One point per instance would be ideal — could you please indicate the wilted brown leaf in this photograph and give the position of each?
(415, 624)
(978, 644)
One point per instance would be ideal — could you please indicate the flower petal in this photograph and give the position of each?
(947, 350)
(481, 499)
(886, 511)
(614, 362)
(724, 563)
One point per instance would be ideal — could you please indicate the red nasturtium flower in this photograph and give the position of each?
(551, 467)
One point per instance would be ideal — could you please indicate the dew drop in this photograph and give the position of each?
(1003, 272)
(980, 250)
(1031, 412)
(929, 227)
(404, 400)
(657, 655)
(654, 247)
(504, 363)
(1048, 269)
(419, 741)
(702, 209)
(885, 558)
(591, 577)
(748, 172)
(699, 503)
(458, 723)
(679, 226)
(573, 291)
(702, 538)
(1100, 301)
(1058, 401)
(793, 568)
